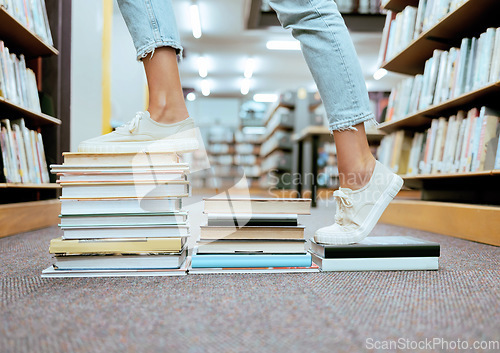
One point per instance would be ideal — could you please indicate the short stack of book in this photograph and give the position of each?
(121, 214)
(246, 235)
(378, 253)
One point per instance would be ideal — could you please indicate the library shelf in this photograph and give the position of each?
(29, 186)
(26, 216)
(478, 223)
(399, 5)
(480, 96)
(21, 40)
(474, 17)
(493, 172)
(31, 117)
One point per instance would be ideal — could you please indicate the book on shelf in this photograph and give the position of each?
(464, 142)
(32, 14)
(448, 75)
(125, 219)
(22, 153)
(17, 83)
(106, 262)
(119, 246)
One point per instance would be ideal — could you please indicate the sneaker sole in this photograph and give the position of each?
(354, 237)
(178, 146)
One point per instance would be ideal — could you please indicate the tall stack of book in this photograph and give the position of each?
(252, 235)
(378, 253)
(121, 214)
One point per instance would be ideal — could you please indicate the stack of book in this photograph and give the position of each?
(252, 236)
(22, 154)
(121, 214)
(378, 253)
(465, 142)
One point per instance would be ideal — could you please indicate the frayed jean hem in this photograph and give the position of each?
(144, 51)
(348, 125)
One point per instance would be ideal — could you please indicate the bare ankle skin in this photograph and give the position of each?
(358, 176)
(168, 116)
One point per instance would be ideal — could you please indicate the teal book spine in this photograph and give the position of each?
(246, 261)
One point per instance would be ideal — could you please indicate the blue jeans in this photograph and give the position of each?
(316, 24)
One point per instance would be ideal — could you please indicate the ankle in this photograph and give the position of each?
(357, 176)
(168, 115)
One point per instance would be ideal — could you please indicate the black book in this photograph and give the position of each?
(253, 220)
(379, 247)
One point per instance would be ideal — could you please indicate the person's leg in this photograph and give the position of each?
(153, 28)
(166, 126)
(331, 57)
(367, 186)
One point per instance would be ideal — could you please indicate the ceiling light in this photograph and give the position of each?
(191, 96)
(249, 67)
(205, 88)
(245, 86)
(195, 20)
(379, 74)
(283, 45)
(202, 66)
(265, 97)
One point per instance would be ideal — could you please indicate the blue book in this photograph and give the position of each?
(249, 260)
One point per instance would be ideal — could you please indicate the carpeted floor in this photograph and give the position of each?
(323, 312)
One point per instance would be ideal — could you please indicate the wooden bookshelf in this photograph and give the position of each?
(29, 186)
(470, 19)
(32, 118)
(21, 40)
(494, 172)
(399, 5)
(486, 95)
(27, 206)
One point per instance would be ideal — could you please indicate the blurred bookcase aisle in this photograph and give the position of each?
(34, 101)
(442, 121)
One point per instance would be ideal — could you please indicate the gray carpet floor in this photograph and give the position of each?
(322, 312)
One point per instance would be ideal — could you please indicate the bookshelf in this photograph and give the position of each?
(29, 206)
(461, 204)
(474, 16)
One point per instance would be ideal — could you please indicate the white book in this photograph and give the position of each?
(138, 189)
(433, 76)
(82, 262)
(449, 144)
(126, 231)
(457, 161)
(415, 94)
(495, 61)
(251, 246)
(377, 264)
(439, 144)
(124, 219)
(471, 66)
(92, 169)
(21, 153)
(119, 206)
(413, 154)
(449, 75)
(425, 85)
(488, 48)
(420, 17)
(51, 272)
(110, 176)
(432, 142)
(443, 61)
(465, 48)
(479, 63)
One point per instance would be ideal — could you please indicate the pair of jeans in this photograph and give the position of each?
(318, 26)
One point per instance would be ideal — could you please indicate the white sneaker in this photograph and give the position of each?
(144, 134)
(359, 210)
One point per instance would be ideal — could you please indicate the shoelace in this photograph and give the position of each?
(133, 124)
(343, 202)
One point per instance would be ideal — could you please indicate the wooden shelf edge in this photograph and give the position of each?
(34, 38)
(29, 186)
(26, 216)
(399, 5)
(434, 110)
(29, 114)
(471, 222)
(452, 175)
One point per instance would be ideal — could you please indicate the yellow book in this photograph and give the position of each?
(116, 246)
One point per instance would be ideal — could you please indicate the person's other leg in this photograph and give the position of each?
(153, 28)
(367, 186)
